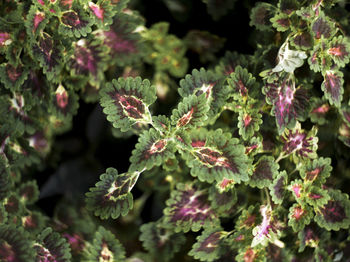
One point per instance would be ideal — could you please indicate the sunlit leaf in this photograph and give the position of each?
(151, 150)
(218, 156)
(126, 102)
(191, 112)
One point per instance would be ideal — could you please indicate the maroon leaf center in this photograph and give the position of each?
(298, 212)
(333, 212)
(210, 243)
(13, 73)
(158, 146)
(186, 118)
(311, 175)
(3, 38)
(71, 19)
(38, 18)
(6, 252)
(131, 105)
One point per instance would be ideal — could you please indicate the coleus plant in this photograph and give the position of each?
(241, 161)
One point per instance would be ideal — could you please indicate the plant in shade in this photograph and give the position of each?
(248, 164)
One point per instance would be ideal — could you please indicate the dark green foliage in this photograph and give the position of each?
(217, 157)
(111, 196)
(335, 214)
(208, 246)
(189, 209)
(104, 247)
(265, 171)
(126, 102)
(151, 150)
(15, 244)
(51, 246)
(245, 160)
(159, 241)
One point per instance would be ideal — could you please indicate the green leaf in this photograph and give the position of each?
(34, 222)
(278, 187)
(28, 192)
(208, 246)
(103, 12)
(281, 22)
(241, 83)
(332, 86)
(302, 40)
(336, 213)
(126, 102)
(161, 123)
(222, 202)
(317, 197)
(339, 50)
(48, 51)
(298, 189)
(247, 220)
(75, 22)
(13, 205)
(5, 180)
(288, 6)
(191, 112)
(189, 209)
(319, 61)
(15, 244)
(299, 216)
(64, 103)
(218, 9)
(13, 77)
(264, 172)
(230, 61)
(260, 16)
(3, 214)
(111, 196)
(319, 111)
(122, 41)
(36, 21)
(309, 236)
(249, 122)
(251, 254)
(159, 241)
(216, 157)
(105, 247)
(151, 150)
(205, 82)
(322, 27)
(303, 145)
(51, 246)
(289, 103)
(316, 171)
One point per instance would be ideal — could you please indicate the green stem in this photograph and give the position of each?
(267, 196)
(280, 157)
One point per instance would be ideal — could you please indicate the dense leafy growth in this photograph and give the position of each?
(244, 160)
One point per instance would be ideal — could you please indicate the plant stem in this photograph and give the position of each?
(267, 196)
